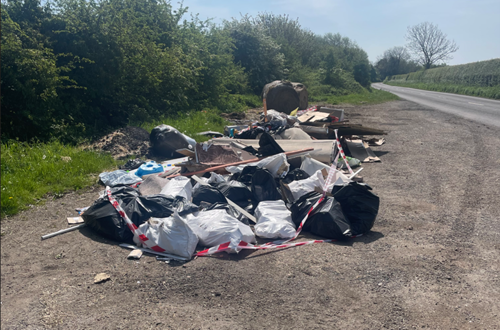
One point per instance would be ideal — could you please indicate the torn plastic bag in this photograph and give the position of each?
(277, 165)
(275, 119)
(161, 206)
(301, 207)
(172, 234)
(294, 175)
(118, 177)
(274, 220)
(208, 194)
(214, 179)
(301, 187)
(166, 140)
(216, 227)
(359, 204)
(264, 187)
(103, 218)
(230, 210)
(178, 186)
(329, 221)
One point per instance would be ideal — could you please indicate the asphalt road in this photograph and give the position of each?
(482, 110)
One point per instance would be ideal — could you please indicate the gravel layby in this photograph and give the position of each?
(432, 260)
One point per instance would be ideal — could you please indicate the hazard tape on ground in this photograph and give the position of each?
(133, 228)
(342, 154)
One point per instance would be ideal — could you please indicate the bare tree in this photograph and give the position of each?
(429, 44)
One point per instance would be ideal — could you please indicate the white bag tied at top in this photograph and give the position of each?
(178, 186)
(172, 234)
(215, 227)
(274, 220)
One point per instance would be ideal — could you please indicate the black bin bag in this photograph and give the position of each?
(302, 206)
(208, 194)
(329, 221)
(359, 204)
(165, 140)
(238, 193)
(264, 186)
(103, 218)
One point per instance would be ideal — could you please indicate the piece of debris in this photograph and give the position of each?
(135, 254)
(101, 277)
(74, 220)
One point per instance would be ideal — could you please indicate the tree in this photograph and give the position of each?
(429, 44)
(394, 61)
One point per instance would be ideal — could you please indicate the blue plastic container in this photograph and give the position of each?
(149, 168)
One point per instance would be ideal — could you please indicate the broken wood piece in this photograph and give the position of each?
(216, 168)
(74, 220)
(359, 151)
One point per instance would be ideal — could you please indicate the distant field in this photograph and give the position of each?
(476, 79)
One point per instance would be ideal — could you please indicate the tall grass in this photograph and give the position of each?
(31, 171)
(191, 123)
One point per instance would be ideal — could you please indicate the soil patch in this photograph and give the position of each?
(125, 142)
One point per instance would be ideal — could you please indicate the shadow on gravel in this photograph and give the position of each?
(372, 236)
(380, 153)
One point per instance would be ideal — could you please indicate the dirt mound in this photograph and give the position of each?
(125, 142)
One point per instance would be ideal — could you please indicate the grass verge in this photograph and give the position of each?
(492, 92)
(191, 122)
(30, 171)
(373, 96)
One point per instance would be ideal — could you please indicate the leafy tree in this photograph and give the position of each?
(395, 61)
(429, 44)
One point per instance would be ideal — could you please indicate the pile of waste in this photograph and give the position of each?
(251, 187)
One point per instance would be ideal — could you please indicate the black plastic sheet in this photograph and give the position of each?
(264, 186)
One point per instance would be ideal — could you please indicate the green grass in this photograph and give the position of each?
(30, 171)
(492, 92)
(191, 122)
(374, 96)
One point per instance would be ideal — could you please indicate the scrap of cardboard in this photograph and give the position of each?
(75, 220)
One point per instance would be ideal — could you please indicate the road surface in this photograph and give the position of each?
(482, 110)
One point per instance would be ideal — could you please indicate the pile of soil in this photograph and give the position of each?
(127, 141)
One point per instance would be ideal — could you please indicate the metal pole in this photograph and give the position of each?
(63, 231)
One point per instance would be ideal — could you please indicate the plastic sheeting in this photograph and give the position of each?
(118, 177)
(216, 227)
(172, 234)
(274, 220)
(178, 186)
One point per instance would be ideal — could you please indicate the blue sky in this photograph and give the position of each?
(379, 25)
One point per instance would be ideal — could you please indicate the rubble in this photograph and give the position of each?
(272, 178)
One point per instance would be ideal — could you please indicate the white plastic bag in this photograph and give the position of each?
(215, 227)
(118, 177)
(274, 220)
(172, 234)
(178, 186)
(302, 187)
(276, 164)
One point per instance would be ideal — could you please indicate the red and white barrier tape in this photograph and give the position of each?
(343, 154)
(133, 228)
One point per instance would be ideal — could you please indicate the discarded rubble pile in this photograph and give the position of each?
(270, 180)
